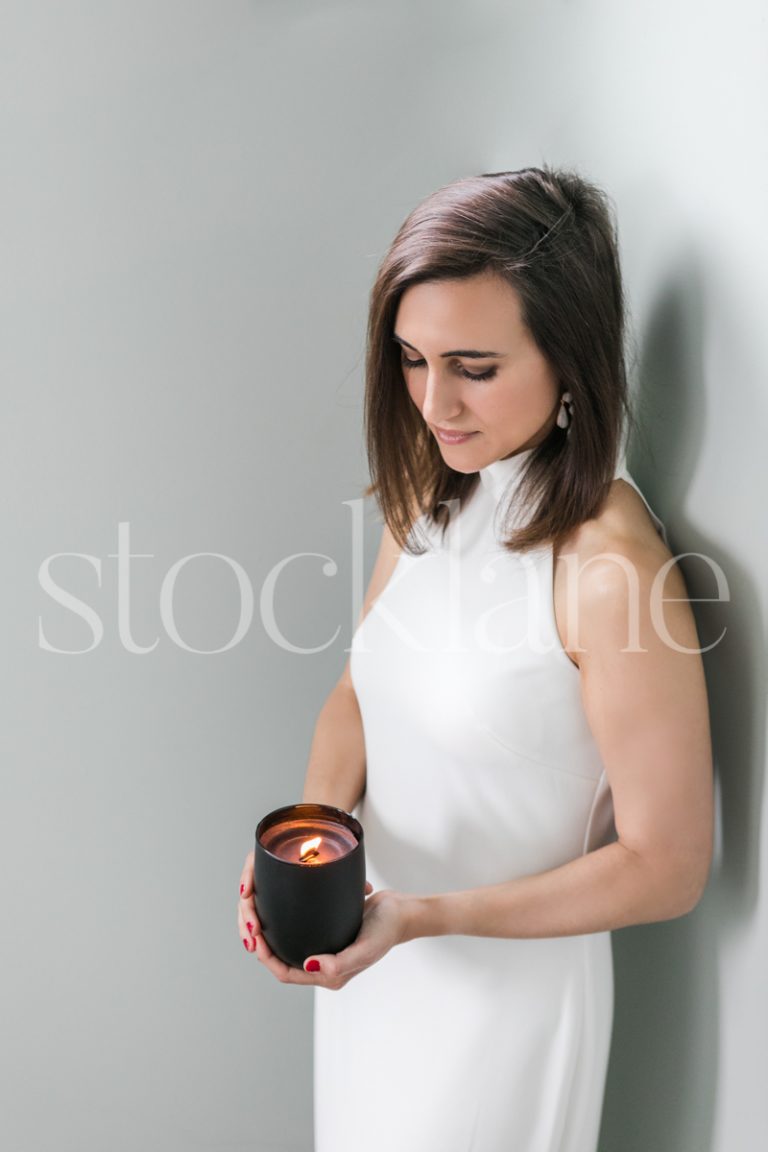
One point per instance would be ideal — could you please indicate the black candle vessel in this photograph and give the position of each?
(309, 880)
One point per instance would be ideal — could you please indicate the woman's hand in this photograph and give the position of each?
(383, 926)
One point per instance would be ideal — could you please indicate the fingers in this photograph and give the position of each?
(284, 972)
(248, 924)
(326, 977)
(368, 887)
(246, 876)
(335, 969)
(248, 927)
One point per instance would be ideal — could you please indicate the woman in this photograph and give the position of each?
(522, 726)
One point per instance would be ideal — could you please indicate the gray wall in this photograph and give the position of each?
(196, 196)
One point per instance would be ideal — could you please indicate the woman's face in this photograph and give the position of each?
(508, 398)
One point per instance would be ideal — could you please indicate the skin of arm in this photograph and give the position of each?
(648, 712)
(336, 767)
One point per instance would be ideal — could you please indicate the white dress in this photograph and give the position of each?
(481, 767)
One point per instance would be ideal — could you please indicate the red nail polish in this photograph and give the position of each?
(245, 945)
(249, 926)
(313, 965)
(242, 889)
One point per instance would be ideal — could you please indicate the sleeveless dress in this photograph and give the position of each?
(481, 767)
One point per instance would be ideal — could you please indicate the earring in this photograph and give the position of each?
(564, 415)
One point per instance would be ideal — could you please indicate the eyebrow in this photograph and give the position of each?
(471, 353)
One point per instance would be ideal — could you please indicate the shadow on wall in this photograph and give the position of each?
(663, 1073)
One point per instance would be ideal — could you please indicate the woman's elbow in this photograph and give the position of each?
(692, 880)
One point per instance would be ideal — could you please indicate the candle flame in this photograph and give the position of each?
(309, 849)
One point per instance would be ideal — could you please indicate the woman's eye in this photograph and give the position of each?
(489, 372)
(487, 375)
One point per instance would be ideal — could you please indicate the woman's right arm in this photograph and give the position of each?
(336, 767)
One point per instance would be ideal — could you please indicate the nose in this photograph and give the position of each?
(442, 399)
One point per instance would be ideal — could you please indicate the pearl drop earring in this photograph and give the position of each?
(564, 415)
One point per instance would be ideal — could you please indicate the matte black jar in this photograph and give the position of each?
(309, 880)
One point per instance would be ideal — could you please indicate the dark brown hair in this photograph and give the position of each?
(552, 235)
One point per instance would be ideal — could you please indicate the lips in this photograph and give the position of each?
(452, 437)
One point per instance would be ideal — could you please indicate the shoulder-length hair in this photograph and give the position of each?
(552, 235)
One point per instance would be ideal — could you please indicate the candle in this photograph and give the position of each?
(309, 880)
(309, 840)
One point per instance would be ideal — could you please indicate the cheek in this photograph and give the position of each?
(500, 407)
(514, 401)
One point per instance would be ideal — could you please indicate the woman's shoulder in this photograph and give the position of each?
(624, 524)
(613, 557)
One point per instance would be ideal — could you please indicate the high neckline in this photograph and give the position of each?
(499, 474)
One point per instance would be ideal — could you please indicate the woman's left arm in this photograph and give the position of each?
(645, 698)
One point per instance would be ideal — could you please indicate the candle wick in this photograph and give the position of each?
(305, 856)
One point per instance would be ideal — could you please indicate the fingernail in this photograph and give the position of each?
(313, 966)
(242, 889)
(245, 945)
(249, 926)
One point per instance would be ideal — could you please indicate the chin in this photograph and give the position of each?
(465, 470)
